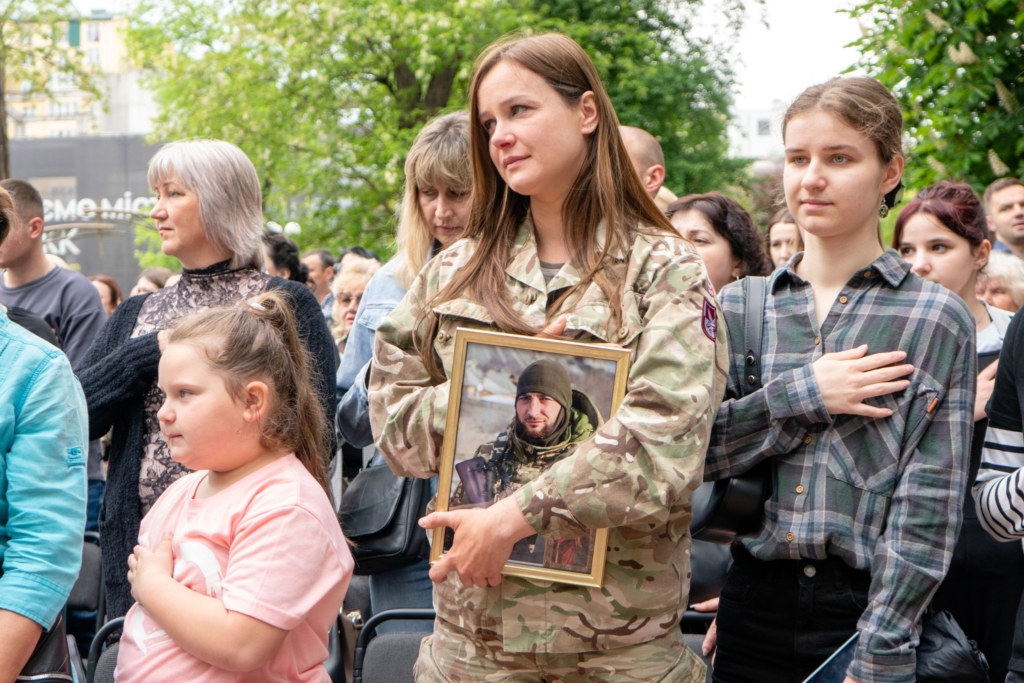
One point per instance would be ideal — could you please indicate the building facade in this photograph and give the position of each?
(94, 191)
(128, 108)
(757, 133)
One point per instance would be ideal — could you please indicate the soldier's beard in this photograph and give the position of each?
(541, 437)
(532, 435)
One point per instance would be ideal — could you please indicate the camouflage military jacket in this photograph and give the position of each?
(633, 476)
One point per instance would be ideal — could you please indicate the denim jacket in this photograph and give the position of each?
(382, 294)
(44, 434)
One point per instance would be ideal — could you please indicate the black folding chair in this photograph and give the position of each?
(102, 662)
(389, 657)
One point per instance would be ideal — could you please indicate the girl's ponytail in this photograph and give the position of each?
(308, 424)
(259, 340)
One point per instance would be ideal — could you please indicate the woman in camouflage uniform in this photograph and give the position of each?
(563, 240)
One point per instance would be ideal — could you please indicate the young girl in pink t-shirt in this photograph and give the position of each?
(241, 567)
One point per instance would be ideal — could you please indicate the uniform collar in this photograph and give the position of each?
(888, 267)
(525, 263)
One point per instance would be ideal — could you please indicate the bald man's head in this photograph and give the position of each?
(648, 159)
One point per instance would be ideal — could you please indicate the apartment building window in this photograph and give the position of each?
(62, 81)
(764, 127)
(92, 33)
(63, 109)
(94, 55)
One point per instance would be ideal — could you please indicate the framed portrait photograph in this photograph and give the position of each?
(518, 405)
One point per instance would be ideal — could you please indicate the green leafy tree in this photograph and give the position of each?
(34, 49)
(661, 78)
(327, 97)
(957, 69)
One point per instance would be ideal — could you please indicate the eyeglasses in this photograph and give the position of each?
(346, 299)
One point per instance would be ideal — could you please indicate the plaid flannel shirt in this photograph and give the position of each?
(883, 495)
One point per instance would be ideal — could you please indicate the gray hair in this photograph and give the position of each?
(1010, 270)
(230, 199)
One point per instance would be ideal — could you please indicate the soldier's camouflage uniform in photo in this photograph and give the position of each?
(513, 460)
(634, 476)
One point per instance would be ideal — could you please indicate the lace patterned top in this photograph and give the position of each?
(196, 291)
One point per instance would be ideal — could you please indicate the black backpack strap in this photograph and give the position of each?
(755, 293)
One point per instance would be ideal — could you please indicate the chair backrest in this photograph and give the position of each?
(389, 658)
(108, 657)
(85, 594)
(358, 596)
(106, 664)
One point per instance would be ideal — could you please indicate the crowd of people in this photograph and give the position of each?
(198, 423)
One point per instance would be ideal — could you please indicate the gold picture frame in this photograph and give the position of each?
(487, 389)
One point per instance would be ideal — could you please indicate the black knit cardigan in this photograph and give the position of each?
(117, 372)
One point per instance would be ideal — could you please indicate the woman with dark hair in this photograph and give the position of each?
(151, 280)
(943, 234)
(562, 240)
(110, 291)
(724, 235)
(783, 237)
(281, 258)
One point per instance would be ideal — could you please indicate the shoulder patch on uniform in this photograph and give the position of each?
(709, 321)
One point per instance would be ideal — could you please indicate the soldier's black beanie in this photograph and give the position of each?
(546, 377)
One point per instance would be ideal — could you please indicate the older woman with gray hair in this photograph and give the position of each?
(209, 216)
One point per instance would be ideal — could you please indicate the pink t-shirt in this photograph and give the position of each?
(269, 547)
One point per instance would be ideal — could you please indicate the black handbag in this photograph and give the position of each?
(722, 509)
(945, 655)
(51, 660)
(379, 513)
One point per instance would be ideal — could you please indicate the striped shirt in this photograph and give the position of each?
(999, 489)
(883, 495)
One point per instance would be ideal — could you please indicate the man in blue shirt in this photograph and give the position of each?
(43, 452)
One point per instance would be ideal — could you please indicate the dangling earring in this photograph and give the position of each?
(883, 210)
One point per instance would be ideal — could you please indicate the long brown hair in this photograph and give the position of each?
(258, 340)
(865, 105)
(607, 189)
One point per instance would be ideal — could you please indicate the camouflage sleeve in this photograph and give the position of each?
(642, 465)
(407, 408)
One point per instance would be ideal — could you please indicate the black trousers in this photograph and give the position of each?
(779, 620)
(982, 591)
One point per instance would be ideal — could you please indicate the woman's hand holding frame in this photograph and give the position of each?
(484, 538)
(483, 542)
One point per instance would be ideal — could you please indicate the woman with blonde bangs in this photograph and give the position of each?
(783, 237)
(434, 213)
(563, 241)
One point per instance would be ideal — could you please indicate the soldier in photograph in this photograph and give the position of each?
(551, 419)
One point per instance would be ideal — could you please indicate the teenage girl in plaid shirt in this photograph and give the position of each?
(865, 413)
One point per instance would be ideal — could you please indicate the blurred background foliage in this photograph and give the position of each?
(327, 96)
